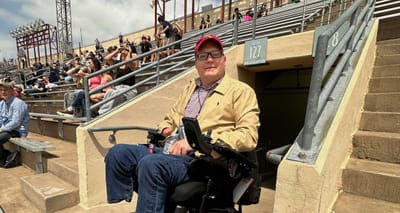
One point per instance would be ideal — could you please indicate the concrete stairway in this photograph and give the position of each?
(371, 179)
(59, 187)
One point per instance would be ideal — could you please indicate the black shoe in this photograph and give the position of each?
(3, 158)
(12, 160)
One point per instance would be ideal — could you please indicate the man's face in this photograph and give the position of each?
(5, 93)
(210, 69)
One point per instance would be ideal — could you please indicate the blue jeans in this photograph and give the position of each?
(79, 102)
(128, 166)
(4, 137)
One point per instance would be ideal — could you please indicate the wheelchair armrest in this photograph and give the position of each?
(230, 153)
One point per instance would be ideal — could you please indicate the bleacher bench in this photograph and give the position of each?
(36, 147)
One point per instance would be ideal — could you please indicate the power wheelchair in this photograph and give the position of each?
(216, 185)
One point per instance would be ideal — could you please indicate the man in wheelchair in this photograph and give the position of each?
(225, 108)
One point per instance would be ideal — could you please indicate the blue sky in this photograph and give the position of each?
(103, 19)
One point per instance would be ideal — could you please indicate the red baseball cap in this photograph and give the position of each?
(206, 38)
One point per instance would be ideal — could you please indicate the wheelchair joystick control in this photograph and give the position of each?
(173, 138)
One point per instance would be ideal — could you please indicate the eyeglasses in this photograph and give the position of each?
(214, 54)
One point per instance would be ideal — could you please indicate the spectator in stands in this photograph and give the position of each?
(262, 11)
(97, 44)
(80, 75)
(169, 33)
(240, 16)
(145, 46)
(250, 11)
(54, 74)
(37, 65)
(121, 54)
(208, 21)
(218, 21)
(14, 114)
(38, 87)
(18, 89)
(86, 54)
(249, 14)
(71, 73)
(160, 38)
(99, 56)
(79, 100)
(224, 105)
(120, 39)
(23, 62)
(203, 24)
(178, 35)
(160, 41)
(153, 46)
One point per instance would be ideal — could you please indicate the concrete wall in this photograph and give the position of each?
(313, 188)
(150, 108)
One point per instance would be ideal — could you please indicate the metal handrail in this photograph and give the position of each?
(324, 99)
(89, 107)
(117, 128)
(114, 129)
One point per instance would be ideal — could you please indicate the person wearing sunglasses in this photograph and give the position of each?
(221, 104)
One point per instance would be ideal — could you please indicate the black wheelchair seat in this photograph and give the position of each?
(216, 185)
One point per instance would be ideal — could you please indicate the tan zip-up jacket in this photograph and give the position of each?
(230, 111)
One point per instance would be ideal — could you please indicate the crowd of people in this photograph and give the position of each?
(43, 78)
(250, 14)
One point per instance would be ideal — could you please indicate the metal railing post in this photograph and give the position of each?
(87, 98)
(235, 28)
(304, 15)
(326, 91)
(254, 18)
(314, 92)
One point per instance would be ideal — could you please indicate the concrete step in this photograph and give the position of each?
(380, 146)
(387, 60)
(380, 121)
(12, 200)
(388, 49)
(389, 41)
(385, 84)
(48, 192)
(351, 203)
(372, 179)
(386, 71)
(65, 168)
(384, 102)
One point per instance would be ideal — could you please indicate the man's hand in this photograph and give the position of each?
(180, 147)
(166, 132)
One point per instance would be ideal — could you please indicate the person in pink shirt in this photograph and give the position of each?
(94, 82)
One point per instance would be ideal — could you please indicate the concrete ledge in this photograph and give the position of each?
(380, 146)
(350, 203)
(385, 84)
(380, 121)
(48, 192)
(387, 71)
(373, 179)
(66, 169)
